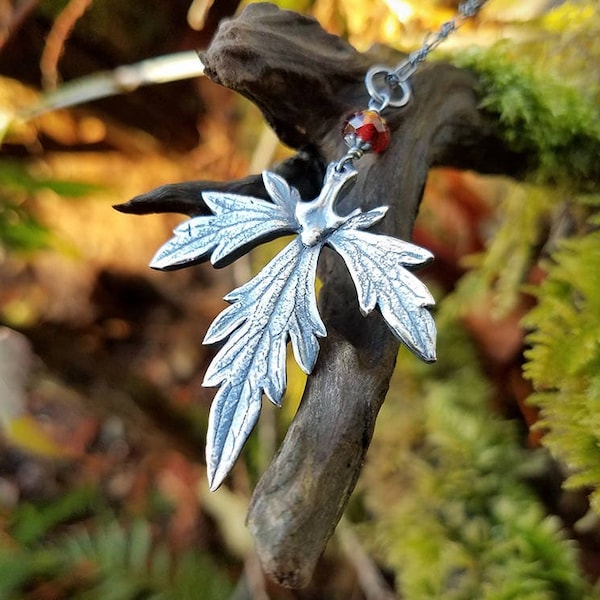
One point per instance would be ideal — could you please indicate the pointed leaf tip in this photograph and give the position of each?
(163, 261)
(214, 482)
(158, 263)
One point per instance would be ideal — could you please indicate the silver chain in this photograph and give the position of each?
(390, 87)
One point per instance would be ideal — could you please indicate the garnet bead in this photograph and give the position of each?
(368, 127)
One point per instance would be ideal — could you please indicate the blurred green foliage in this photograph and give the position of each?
(20, 229)
(563, 361)
(30, 522)
(453, 515)
(551, 228)
(525, 216)
(52, 545)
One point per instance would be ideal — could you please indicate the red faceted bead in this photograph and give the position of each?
(369, 127)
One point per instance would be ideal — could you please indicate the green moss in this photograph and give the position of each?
(551, 122)
(453, 517)
(563, 362)
(108, 560)
(525, 216)
(545, 96)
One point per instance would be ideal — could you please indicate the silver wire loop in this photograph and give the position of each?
(353, 154)
(390, 87)
(386, 89)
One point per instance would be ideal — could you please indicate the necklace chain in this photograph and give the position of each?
(389, 87)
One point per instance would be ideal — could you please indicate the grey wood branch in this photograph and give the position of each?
(306, 81)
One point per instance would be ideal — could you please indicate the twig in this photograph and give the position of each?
(251, 584)
(255, 578)
(127, 78)
(371, 581)
(58, 35)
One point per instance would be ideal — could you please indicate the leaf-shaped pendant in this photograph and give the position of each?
(279, 304)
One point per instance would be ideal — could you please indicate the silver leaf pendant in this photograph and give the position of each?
(279, 304)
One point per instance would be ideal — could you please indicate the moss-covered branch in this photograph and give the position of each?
(548, 121)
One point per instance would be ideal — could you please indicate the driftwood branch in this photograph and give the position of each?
(304, 171)
(306, 82)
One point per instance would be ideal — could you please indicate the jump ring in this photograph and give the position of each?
(382, 93)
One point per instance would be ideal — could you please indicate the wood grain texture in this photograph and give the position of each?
(306, 82)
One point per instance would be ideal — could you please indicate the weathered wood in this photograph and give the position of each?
(306, 82)
(304, 171)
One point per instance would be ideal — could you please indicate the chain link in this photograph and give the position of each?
(389, 87)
